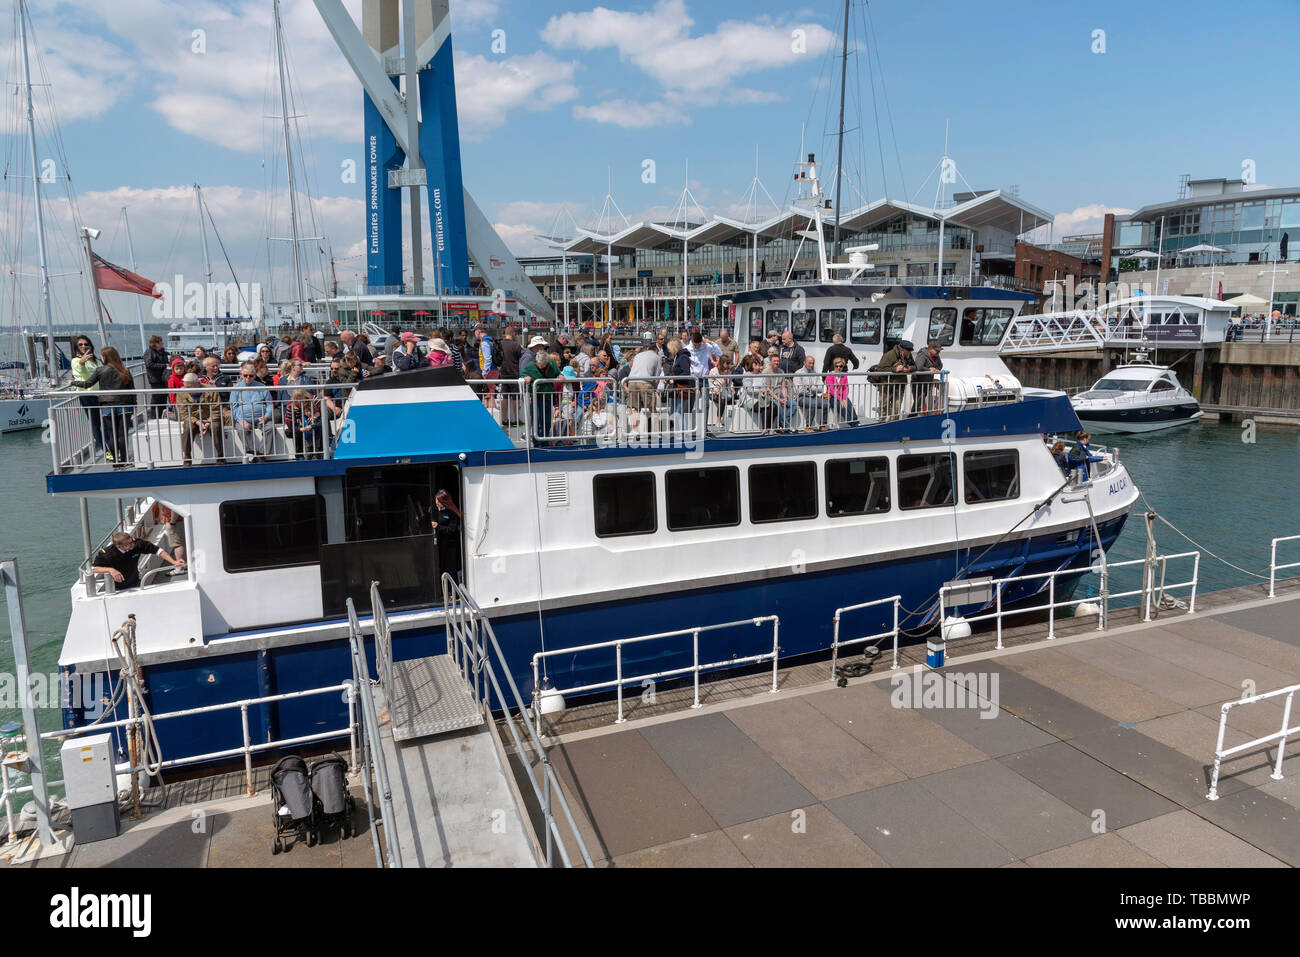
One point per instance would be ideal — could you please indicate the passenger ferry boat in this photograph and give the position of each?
(593, 512)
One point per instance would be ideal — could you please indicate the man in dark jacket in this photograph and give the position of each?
(157, 366)
(838, 351)
(792, 354)
(512, 356)
(890, 389)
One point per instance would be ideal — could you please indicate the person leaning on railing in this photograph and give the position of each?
(120, 559)
(900, 363)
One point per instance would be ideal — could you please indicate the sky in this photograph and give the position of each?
(1086, 108)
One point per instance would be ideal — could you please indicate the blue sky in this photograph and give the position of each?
(584, 91)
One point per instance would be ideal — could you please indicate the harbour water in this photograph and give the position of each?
(1226, 488)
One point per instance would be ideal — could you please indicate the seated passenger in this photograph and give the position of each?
(120, 559)
(199, 412)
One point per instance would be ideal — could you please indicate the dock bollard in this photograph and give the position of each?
(934, 651)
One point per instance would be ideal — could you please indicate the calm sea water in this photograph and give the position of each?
(1231, 496)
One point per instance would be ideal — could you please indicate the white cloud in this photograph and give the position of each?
(487, 88)
(1082, 220)
(692, 71)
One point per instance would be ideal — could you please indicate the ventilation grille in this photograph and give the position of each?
(557, 490)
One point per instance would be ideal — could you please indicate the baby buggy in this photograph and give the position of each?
(293, 806)
(334, 805)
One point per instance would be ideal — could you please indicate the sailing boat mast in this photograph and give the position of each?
(839, 159)
(139, 312)
(288, 162)
(51, 362)
(203, 238)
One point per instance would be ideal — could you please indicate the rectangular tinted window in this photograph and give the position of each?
(625, 504)
(778, 321)
(805, 325)
(895, 317)
(925, 481)
(271, 533)
(782, 493)
(992, 476)
(857, 486)
(864, 327)
(943, 323)
(833, 322)
(983, 327)
(702, 498)
(756, 322)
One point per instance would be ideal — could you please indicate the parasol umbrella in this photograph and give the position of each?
(378, 313)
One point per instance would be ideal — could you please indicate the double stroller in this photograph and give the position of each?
(305, 801)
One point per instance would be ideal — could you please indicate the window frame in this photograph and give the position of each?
(822, 331)
(873, 340)
(654, 502)
(894, 308)
(761, 466)
(952, 488)
(952, 325)
(321, 531)
(889, 486)
(965, 471)
(768, 328)
(668, 510)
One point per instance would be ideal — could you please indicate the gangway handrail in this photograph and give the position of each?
(1220, 752)
(695, 669)
(836, 644)
(998, 585)
(467, 627)
(372, 751)
(1274, 567)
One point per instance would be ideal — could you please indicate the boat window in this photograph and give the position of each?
(895, 317)
(864, 327)
(834, 322)
(1163, 385)
(271, 533)
(857, 486)
(925, 481)
(782, 493)
(992, 476)
(625, 504)
(983, 327)
(393, 501)
(1120, 385)
(943, 323)
(778, 321)
(805, 325)
(755, 322)
(702, 498)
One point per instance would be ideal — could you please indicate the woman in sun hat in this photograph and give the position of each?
(439, 354)
(407, 355)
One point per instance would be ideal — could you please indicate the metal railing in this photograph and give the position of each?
(1220, 752)
(372, 751)
(1274, 567)
(637, 411)
(1152, 595)
(474, 647)
(694, 669)
(165, 428)
(246, 749)
(836, 644)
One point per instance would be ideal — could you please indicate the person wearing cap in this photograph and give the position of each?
(537, 374)
(199, 413)
(929, 366)
(407, 357)
(890, 389)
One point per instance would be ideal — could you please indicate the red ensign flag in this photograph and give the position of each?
(108, 276)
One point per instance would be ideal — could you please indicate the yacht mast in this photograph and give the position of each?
(288, 163)
(51, 361)
(839, 159)
(203, 237)
(139, 313)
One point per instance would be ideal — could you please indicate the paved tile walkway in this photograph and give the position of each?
(1098, 754)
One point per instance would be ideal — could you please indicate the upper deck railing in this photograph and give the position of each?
(205, 425)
